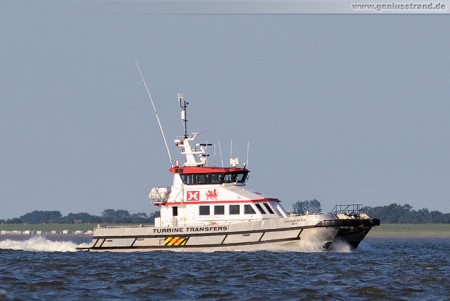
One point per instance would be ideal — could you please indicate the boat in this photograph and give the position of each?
(210, 208)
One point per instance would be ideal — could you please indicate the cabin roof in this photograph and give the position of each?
(206, 169)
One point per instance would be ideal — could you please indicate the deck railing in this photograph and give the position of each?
(350, 209)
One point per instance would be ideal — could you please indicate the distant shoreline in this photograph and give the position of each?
(385, 230)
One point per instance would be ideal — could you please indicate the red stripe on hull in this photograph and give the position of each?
(220, 202)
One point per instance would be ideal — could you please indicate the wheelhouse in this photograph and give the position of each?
(211, 175)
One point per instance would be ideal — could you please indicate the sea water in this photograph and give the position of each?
(380, 269)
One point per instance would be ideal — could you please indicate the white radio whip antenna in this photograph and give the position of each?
(221, 157)
(231, 149)
(248, 150)
(154, 109)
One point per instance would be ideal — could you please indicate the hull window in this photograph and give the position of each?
(219, 210)
(234, 209)
(204, 210)
(248, 209)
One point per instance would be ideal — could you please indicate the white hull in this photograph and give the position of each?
(251, 235)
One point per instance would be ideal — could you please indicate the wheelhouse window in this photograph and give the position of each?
(188, 179)
(204, 210)
(268, 208)
(201, 179)
(248, 209)
(219, 210)
(260, 208)
(229, 178)
(241, 177)
(214, 178)
(234, 209)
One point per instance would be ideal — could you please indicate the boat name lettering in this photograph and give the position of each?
(168, 230)
(190, 229)
(206, 229)
(295, 220)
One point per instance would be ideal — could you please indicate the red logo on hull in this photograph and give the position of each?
(211, 194)
(193, 195)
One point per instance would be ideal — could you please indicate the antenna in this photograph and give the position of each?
(214, 148)
(248, 151)
(156, 114)
(231, 149)
(220, 151)
(183, 106)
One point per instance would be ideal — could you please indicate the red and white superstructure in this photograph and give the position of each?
(203, 195)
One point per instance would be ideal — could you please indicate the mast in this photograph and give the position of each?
(196, 155)
(183, 106)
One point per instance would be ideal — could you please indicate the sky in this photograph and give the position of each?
(342, 108)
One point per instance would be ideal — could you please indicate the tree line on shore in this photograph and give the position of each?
(405, 214)
(108, 216)
(389, 214)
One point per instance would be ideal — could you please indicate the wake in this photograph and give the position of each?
(40, 244)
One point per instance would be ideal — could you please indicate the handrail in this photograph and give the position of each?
(348, 209)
